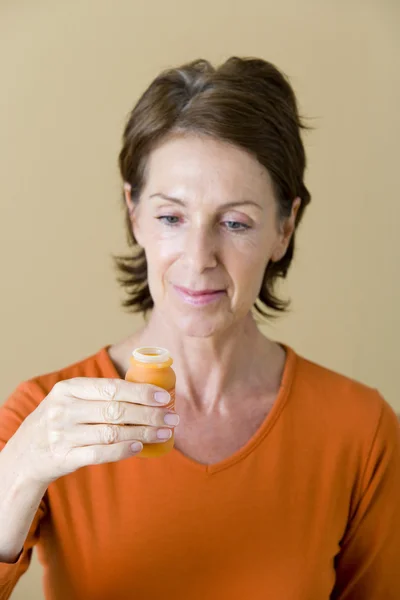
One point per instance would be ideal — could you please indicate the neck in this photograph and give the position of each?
(214, 370)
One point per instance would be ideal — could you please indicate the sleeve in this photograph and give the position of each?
(12, 413)
(368, 564)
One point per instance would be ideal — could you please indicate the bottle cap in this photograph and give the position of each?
(151, 354)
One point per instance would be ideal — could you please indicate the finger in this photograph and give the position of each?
(119, 390)
(96, 455)
(121, 413)
(91, 435)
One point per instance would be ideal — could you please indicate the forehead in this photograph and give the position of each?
(208, 168)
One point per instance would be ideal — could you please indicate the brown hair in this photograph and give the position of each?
(247, 102)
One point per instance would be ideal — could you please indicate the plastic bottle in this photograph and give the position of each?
(150, 364)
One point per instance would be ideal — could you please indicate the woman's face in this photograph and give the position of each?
(207, 221)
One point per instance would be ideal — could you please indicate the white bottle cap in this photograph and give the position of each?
(151, 354)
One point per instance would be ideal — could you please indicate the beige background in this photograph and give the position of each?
(70, 72)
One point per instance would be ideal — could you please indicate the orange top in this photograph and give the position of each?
(308, 509)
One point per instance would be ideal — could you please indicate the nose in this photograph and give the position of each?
(201, 249)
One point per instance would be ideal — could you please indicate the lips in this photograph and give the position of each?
(199, 297)
(196, 293)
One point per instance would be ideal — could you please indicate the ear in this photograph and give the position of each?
(286, 232)
(132, 210)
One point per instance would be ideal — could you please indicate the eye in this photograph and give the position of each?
(236, 226)
(168, 219)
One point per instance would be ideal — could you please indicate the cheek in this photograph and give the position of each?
(246, 264)
(250, 255)
(160, 255)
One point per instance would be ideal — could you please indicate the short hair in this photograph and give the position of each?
(247, 102)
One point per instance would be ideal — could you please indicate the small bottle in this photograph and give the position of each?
(150, 364)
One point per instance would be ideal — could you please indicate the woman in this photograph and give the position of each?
(284, 480)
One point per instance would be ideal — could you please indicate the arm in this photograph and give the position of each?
(21, 502)
(81, 421)
(368, 564)
(21, 509)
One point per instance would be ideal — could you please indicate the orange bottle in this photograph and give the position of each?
(150, 364)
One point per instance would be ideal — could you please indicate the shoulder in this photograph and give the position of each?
(340, 406)
(330, 386)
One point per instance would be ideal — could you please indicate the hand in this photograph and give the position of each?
(87, 421)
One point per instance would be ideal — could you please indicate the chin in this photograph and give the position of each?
(199, 330)
(201, 326)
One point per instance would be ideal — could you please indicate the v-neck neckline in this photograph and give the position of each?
(267, 424)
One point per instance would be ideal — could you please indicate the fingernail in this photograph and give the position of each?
(171, 419)
(136, 447)
(164, 434)
(162, 397)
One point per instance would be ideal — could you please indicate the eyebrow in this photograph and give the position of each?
(226, 205)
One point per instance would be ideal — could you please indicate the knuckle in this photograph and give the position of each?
(153, 417)
(109, 434)
(148, 434)
(142, 392)
(113, 412)
(60, 387)
(139, 433)
(54, 437)
(54, 413)
(109, 389)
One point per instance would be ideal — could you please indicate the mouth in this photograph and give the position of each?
(199, 297)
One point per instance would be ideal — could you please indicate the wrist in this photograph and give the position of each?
(19, 483)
